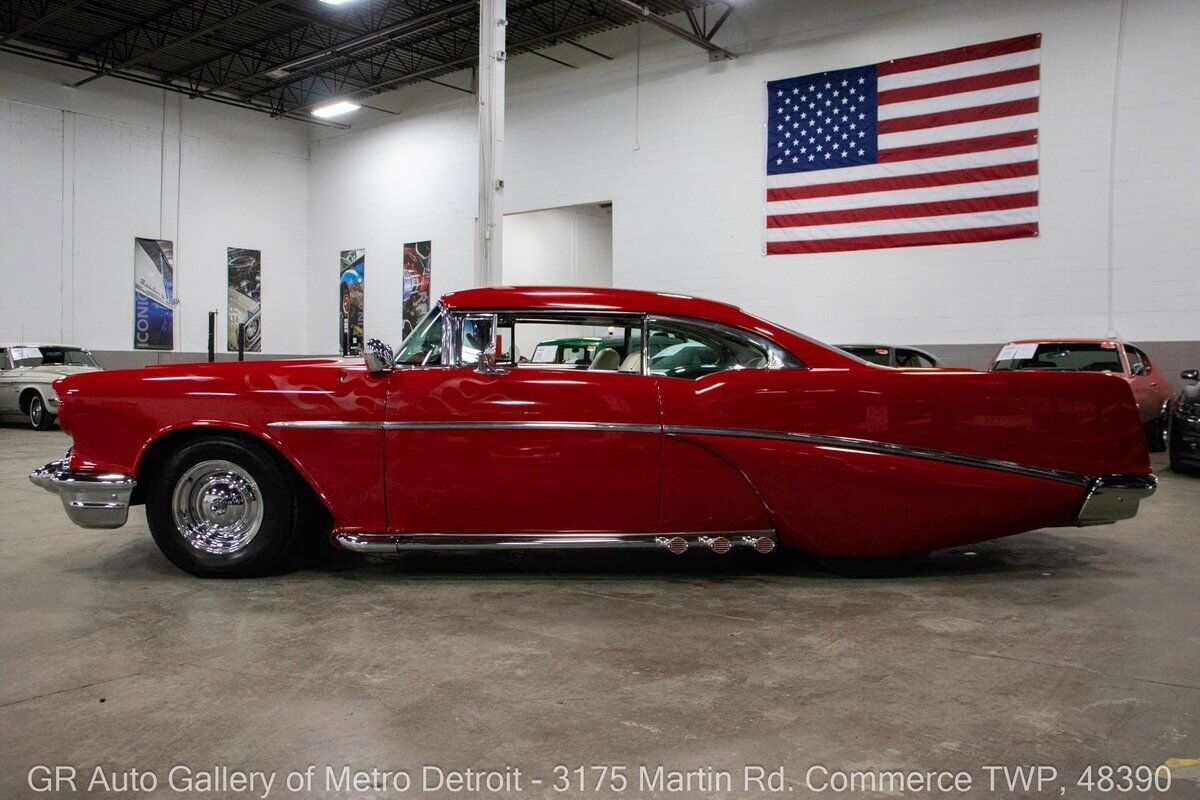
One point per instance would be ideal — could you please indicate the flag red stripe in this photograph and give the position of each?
(968, 205)
(973, 83)
(919, 181)
(957, 147)
(960, 54)
(961, 236)
(1012, 108)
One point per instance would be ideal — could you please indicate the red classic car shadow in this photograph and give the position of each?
(1033, 556)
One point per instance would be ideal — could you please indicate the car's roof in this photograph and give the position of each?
(1066, 340)
(585, 298)
(46, 344)
(636, 301)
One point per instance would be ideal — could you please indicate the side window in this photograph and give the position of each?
(911, 358)
(1137, 362)
(3, 358)
(685, 350)
(558, 340)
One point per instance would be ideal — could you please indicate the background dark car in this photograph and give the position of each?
(885, 355)
(1185, 425)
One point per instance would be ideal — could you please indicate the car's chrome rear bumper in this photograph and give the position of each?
(1115, 497)
(91, 499)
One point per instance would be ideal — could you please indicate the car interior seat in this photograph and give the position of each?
(632, 363)
(607, 360)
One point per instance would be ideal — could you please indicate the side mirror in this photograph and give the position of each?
(379, 357)
(1190, 374)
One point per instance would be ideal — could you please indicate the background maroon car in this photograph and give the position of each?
(1151, 389)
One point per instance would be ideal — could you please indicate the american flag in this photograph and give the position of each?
(932, 149)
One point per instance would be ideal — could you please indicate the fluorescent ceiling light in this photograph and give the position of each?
(335, 109)
(335, 2)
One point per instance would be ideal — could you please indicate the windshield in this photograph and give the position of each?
(40, 356)
(1061, 356)
(423, 346)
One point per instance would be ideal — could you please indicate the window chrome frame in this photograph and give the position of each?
(447, 336)
(461, 318)
(635, 319)
(778, 358)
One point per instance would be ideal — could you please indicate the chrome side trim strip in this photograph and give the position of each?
(626, 427)
(871, 446)
(400, 542)
(844, 442)
(325, 423)
(479, 426)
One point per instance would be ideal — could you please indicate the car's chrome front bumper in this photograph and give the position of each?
(91, 499)
(1115, 497)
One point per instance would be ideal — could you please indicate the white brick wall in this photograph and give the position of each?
(83, 172)
(686, 211)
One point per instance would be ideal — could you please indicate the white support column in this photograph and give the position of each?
(490, 223)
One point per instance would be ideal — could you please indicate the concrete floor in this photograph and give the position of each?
(1065, 648)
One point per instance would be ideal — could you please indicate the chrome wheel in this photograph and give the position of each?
(217, 507)
(37, 412)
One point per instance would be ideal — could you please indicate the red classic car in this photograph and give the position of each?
(732, 432)
(1151, 389)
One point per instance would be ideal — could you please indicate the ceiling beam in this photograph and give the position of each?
(66, 61)
(450, 66)
(240, 49)
(42, 20)
(370, 40)
(207, 29)
(643, 12)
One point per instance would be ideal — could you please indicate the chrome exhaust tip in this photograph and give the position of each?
(718, 544)
(676, 544)
(761, 544)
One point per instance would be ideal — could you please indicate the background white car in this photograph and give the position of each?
(26, 372)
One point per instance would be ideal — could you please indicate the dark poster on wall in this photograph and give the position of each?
(245, 298)
(416, 284)
(153, 294)
(351, 288)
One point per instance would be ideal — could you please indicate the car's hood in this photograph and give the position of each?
(50, 372)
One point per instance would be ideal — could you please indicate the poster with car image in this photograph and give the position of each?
(153, 294)
(350, 308)
(245, 298)
(416, 284)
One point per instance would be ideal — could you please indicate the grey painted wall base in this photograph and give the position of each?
(136, 359)
(1171, 357)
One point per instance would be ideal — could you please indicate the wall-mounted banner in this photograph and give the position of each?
(350, 307)
(940, 148)
(153, 294)
(245, 297)
(417, 263)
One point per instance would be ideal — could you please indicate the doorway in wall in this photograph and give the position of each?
(564, 246)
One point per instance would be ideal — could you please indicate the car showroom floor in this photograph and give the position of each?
(1064, 647)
